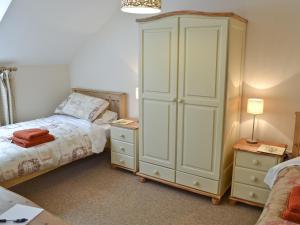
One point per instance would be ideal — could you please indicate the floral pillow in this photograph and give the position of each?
(82, 106)
(106, 117)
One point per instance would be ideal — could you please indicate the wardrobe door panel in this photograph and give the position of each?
(201, 91)
(159, 62)
(201, 59)
(158, 133)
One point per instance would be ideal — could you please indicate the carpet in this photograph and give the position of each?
(90, 192)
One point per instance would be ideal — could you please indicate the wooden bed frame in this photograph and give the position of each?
(117, 104)
(296, 144)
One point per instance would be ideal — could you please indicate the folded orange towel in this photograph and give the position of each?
(37, 141)
(296, 190)
(293, 204)
(291, 216)
(30, 134)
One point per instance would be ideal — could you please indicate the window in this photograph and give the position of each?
(3, 7)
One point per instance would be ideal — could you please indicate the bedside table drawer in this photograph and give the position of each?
(157, 171)
(196, 182)
(122, 147)
(255, 161)
(122, 134)
(248, 176)
(122, 160)
(249, 193)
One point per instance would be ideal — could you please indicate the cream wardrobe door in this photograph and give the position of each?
(158, 90)
(202, 71)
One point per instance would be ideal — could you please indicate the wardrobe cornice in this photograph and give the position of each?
(192, 12)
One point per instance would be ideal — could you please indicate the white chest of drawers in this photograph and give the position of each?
(249, 170)
(124, 144)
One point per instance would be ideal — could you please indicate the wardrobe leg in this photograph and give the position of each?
(231, 202)
(142, 179)
(215, 201)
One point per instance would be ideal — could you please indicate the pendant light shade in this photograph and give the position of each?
(141, 6)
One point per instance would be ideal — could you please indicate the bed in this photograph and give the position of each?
(74, 139)
(282, 178)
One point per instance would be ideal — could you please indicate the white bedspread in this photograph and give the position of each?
(274, 171)
(74, 139)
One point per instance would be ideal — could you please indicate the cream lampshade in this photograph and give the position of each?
(255, 107)
(141, 6)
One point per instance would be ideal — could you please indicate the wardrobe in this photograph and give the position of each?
(190, 86)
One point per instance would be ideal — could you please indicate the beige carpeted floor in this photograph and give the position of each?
(89, 192)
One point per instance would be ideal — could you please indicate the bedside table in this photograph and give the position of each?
(249, 170)
(124, 146)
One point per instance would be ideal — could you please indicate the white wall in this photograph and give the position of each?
(39, 89)
(109, 60)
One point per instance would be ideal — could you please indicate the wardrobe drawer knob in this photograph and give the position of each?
(252, 194)
(122, 149)
(155, 172)
(122, 136)
(253, 178)
(196, 183)
(255, 162)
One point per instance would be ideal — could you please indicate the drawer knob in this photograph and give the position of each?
(252, 194)
(255, 162)
(122, 161)
(253, 178)
(122, 149)
(122, 136)
(155, 172)
(196, 183)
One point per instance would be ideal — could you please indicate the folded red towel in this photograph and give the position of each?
(294, 200)
(30, 134)
(291, 216)
(37, 141)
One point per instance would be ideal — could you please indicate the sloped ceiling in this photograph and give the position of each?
(50, 31)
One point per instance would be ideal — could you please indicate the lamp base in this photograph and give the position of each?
(252, 141)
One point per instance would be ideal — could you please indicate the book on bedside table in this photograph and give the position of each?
(271, 149)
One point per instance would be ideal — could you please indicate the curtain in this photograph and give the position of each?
(6, 99)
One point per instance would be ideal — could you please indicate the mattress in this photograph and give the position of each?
(74, 139)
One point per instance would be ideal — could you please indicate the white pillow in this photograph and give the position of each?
(106, 117)
(82, 106)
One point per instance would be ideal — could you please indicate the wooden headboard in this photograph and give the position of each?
(117, 100)
(296, 144)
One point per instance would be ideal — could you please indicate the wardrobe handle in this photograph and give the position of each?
(174, 99)
(180, 100)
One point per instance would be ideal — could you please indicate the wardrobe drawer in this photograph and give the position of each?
(122, 134)
(250, 193)
(248, 176)
(122, 147)
(255, 161)
(122, 160)
(157, 171)
(196, 182)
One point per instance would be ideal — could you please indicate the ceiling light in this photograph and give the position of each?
(141, 6)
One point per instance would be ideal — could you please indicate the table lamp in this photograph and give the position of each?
(255, 107)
